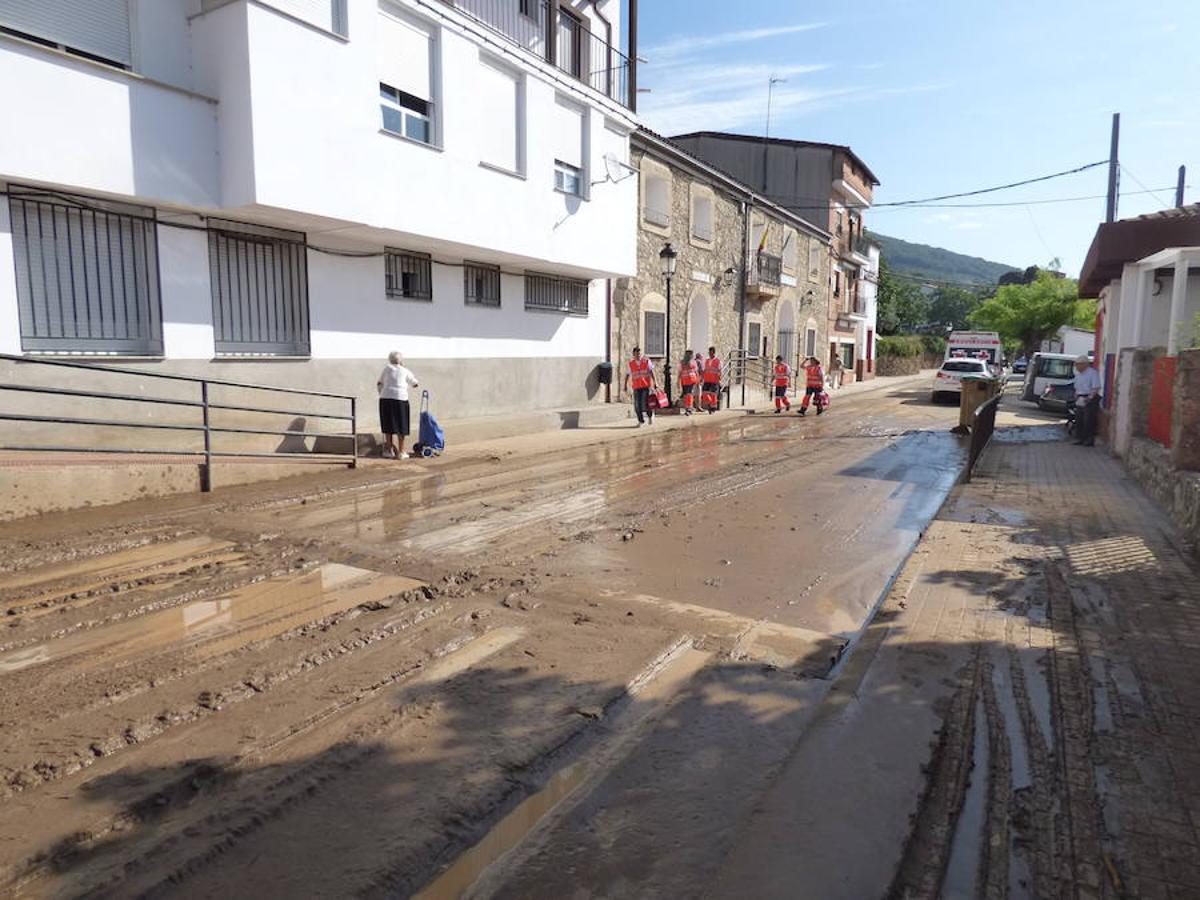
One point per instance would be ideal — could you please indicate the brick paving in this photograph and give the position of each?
(1080, 553)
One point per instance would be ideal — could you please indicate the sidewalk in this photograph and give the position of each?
(1021, 719)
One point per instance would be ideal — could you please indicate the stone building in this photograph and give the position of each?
(831, 187)
(751, 278)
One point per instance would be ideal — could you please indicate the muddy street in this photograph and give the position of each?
(569, 665)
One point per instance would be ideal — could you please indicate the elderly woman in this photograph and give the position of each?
(393, 385)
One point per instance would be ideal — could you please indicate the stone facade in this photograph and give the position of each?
(1185, 417)
(706, 291)
(1178, 491)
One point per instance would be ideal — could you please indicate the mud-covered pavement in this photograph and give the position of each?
(561, 669)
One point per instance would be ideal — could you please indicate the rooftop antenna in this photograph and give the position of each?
(771, 82)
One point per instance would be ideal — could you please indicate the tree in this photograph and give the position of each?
(952, 306)
(901, 304)
(1031, 313)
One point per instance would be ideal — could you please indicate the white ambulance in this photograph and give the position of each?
(976, 345)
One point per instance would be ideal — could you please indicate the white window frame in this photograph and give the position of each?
(396, 103)
(520, 113)
(656, 180)
(568, 179)
(791, 242)
(754, 348)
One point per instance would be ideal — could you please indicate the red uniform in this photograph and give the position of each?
(783, 378)
(689, 376)
(814, 387)
(710, 391)
(639, 372)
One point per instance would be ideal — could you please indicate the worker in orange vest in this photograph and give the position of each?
(689, 377)
(814, 384)
(641, 375)
(783, 380)
(710, 390)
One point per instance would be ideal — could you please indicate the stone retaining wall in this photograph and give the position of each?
(1177, 490)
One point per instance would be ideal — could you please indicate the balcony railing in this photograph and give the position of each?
(770, 268)
(574, 49)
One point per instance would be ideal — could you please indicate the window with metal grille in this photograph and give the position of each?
(655, 328)
(481, 284)
(87, 275)
(556, 294)
(408, 275)
(259, 290)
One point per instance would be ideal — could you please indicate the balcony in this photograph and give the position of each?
(858, 250)
(574, 49)
(764, 275)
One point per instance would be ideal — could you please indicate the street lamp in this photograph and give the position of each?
(668, 256)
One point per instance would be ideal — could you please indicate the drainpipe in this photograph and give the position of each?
(608, 336)
(747, 212)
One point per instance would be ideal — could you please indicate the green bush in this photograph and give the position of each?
(901, 346)
(933, 344)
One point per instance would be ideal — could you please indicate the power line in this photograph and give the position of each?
(1000, 203)
(1002, 187)
(1129, 172)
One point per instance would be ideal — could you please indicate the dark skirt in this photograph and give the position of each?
(393, 416)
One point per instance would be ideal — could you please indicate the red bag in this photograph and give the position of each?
(822, 400)
(657, 400)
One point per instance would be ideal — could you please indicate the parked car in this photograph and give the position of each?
(1020, 364)
(1059, 398)
(949, 377)
(1046, 369)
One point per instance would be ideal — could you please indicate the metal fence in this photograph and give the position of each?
(203, 403)
(575, 49)
(981, 432)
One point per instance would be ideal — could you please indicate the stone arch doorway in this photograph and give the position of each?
(699, 324)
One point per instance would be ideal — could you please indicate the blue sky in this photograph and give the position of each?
(940, 96)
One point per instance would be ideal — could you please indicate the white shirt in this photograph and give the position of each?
(395, 382)
(1087, 383)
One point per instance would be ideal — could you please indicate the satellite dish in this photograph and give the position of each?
(612, 167)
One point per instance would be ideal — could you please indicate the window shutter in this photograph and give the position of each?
(404, 54)
(98, 27)
(498, 92)
(568, 133)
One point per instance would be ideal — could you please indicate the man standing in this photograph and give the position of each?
(1087, 400)
(641, 374)
(710, 389)
(814, 384)
(783, 379)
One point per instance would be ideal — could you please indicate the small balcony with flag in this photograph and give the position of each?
(764, 275)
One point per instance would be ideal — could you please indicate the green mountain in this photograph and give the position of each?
(937, 264)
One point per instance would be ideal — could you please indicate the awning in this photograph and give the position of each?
(1126, 241)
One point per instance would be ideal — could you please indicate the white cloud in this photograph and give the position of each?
(688, 44)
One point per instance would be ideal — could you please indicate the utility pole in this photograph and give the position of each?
(1114, 178)
(771, 82)
(1179, 186)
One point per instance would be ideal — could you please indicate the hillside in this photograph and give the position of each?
(937, 264)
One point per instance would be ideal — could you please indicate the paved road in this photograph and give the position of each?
(583, 657)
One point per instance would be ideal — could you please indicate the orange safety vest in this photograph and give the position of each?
(688, 373)
(816, 377)
(640, 370)
(712, 370)
(783, 375)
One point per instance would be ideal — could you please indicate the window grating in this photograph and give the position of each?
(549, 292)
(655, 329)
(259, 290)
(408, 275)
(481, 284)
(87, 275)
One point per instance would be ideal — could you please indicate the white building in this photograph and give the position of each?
(867, 311)
(1076, 341)
(282, 191)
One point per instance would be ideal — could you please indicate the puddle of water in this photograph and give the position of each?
(110, 565)
(507, 834)
(213, 627)
(1007, 701)
(962, 872)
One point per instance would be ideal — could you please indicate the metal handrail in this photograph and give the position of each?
(207, 427)
(981, 432)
